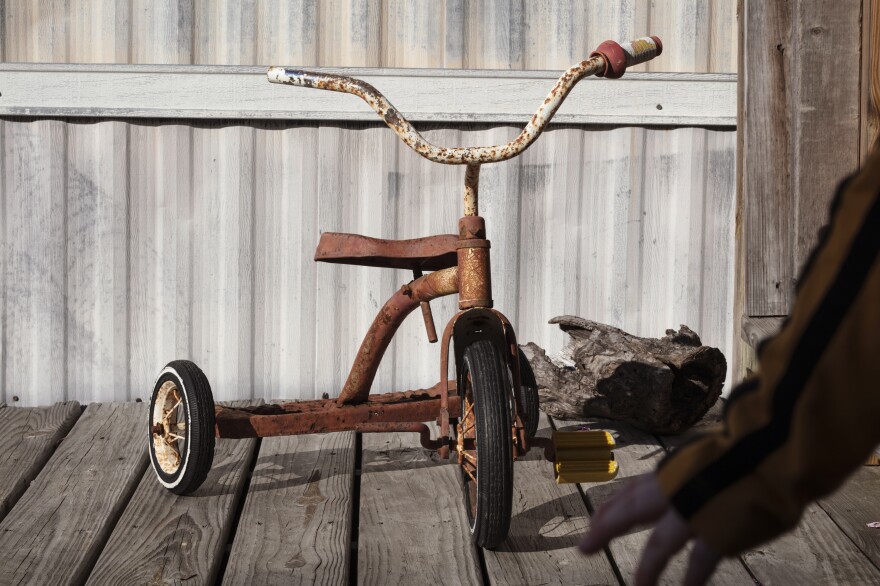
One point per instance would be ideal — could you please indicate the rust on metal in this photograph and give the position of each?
(389, 318)
(409, 135)
(429, 254)
(474, 276)
(471, 227)
(521, 437)
(427, 316)
(168, 427)
(461, 265)
(443, 419)
(475, 283)
(466, 435)
(322, 416)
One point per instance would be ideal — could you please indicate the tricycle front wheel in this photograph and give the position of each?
(181, 427)
(484, 444)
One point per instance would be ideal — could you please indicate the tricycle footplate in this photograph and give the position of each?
(325, 415)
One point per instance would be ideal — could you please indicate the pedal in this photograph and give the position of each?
(583, 456)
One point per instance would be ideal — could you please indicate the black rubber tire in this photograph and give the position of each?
(198, 406)
(490, 522)
(529, 394)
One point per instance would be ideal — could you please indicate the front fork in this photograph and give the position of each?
(478, 320)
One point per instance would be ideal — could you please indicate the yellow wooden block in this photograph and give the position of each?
(584, 456)
(585, 471)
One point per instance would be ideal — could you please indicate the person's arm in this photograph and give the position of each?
(812, 415)
(791, 434)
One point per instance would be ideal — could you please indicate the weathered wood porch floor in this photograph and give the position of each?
(79, 505)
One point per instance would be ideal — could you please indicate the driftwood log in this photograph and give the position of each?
(663, 385)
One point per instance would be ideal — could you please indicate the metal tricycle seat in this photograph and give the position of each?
(427, 254)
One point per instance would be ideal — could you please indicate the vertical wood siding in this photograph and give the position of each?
(129, 244)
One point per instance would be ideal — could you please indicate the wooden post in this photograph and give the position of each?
(870, 84)
(801, 69)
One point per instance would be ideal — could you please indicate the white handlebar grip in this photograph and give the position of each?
(641, 50)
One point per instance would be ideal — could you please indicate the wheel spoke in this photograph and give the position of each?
(175, 436)
(469, 409)
(470, 458)
(168, 413)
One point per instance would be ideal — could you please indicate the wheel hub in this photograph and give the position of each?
(168, 427)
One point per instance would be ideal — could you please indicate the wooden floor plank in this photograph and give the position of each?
(296, 524)
(413, 528)
(638, 453)
(548, 522)
(28, 436)
(56, 531)
(163, 538)
(855, 505)
(816, 552)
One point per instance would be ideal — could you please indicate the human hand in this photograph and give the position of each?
(642, 501)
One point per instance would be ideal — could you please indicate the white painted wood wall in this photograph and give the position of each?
(131, 242)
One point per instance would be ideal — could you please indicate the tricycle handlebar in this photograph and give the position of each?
(609, 60)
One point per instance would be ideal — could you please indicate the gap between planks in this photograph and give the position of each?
(28, 437)
(413, 527)
(295, 524)
(165, 538)
(638, 453)
(59, 527)
(548, 522)
(817, 551)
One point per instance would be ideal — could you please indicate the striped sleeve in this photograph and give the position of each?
(812, 414)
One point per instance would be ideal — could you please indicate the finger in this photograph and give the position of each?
(670, 536)
(622, 498)
(617, 505)
(701, 565)
(642, 503)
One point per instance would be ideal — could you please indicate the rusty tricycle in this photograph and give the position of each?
(487, 416)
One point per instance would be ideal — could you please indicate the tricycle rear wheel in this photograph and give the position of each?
(529, 387)
(484, 443)
(181, 427)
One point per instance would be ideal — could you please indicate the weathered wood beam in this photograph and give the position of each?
(28, 436)
(800, 76)
(423, 95)
(870, 106)
(178, 539)
(638, 453)
(296, 524)
(56, 531)
(411, 515)
(548, 522)
(661, 385)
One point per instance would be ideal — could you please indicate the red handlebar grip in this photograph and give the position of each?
(618, 57)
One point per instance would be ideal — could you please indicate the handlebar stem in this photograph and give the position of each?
(472, 190)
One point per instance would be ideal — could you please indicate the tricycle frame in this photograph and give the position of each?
(486, 397)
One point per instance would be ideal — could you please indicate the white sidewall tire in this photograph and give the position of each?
(181, 472)
(197, 455)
